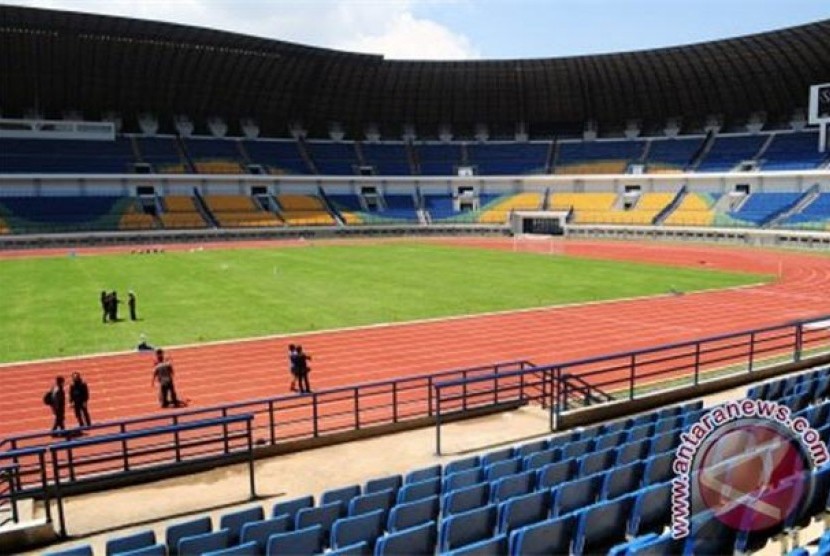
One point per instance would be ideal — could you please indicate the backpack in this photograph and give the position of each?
(47, 398)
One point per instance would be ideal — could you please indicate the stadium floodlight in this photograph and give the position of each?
(819, 113)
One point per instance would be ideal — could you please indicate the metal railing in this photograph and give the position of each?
(292, 417)
(8, 494)
(15, 489)
(632, 374)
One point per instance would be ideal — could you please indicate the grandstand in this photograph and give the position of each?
(694, 209)
(239, 211)
(499, 210)
(180, 211)
(304, 210)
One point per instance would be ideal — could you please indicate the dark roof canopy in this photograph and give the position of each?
(56, 61)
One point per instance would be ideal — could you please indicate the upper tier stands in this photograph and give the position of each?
(333, 158)
(69, 214)
(793, 151)
(50, 156)
(163, 154)
(304, 210)
(505, 159)
(498, 210)
(276, 156)
(598, 157)
(180, 212)
(239, 211)
(438, 159)
(672, 155)
(388, 158)
(758, 209)
(215, 156)
(728, 151)
(695, 209)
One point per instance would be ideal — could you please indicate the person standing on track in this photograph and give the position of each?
(56, 399)
(303, 370)
(292, 362)
(163, 374)
(79, 397)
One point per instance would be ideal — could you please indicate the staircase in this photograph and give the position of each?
(803, 202)
(553, 156)
(199, 201)
(301, 146)
(243, 153)
(330, 207)
(646, 152)
(412, 158)
(764, 147)
(663, 214)
(574, 391)
(701, 153)
(184, 155)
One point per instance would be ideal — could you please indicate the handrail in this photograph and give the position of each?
(8, 496)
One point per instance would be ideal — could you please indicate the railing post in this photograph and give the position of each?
(71, 463)
(272, 425)
(521, 387)
(315, 416)
(799, 339)
(176, 444)
(356, 409)
(429, 396)
(124, 448)
(44, 484)
(631, 377)
(464, 391)
(12, 492)
(395, 401)
(751, 350)
(697, 363)
(225, 442)
(437, 419)
(251, 470)
(58, 495)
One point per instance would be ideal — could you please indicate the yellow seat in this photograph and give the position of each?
(218, 167)
(499, 211)
(594, 167)
(181, 212)
(304, 210)
(240, 211)
(695, 209)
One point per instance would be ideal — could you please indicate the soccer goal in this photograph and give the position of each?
(535, 243)
(538, 231)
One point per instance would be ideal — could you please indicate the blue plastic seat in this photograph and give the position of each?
(590, 432)
(554, 474)
(382, 500)
(343, 495)
(621, 480)
(496, 456)
(462, 465)
(392, 482)
(514, 485)
(152, 550)
(206, 542)
(595, 462)
(621, 425)
(234, 521)
(413, 541)
(645, 419)
(244, 549)
(552, 536)
(83, 550)
(640, 432)
(487, 547)
(302, 542)
(324, 516)
(664, 442)
(130, 542)
(407, 515)
(574, 495)
(467, 527)
(425, 474)
(601, 526)
(651, 511)
(709, 536)
(667, 424)
(540, 459)
(610, 440)
(259, 531)
(465, 499)
(174, 533)
(623, 549)
(502, 469)
(577, 449)
(658, 469)
(356, 549)
(462, 479)
(530, 448)
(523, 510)
(291, 507)
(632, 451)
(420, 490)
(360, 528)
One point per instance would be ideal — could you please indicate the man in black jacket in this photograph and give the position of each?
(57, 401)
(303, 369)
(79, 397)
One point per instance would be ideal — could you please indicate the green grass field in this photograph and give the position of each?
(49, 306)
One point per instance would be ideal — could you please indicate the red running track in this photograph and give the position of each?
(240, 370)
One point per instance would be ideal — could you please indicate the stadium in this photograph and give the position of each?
(569, 305)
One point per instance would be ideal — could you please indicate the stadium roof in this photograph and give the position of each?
(56, 61)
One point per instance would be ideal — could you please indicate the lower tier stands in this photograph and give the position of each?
(304, 210)
(71, 214)
(389, 209)
(695, 209)
(499, 210)
(814, 216)
(181, 212)
(759, 209)
(588, 208)
(240, 211)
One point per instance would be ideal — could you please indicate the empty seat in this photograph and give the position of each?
(361, 548)
(234, 521)
(595, 462)
(206, 542)
(658, 468)
(640, 433)
(178, 531)
(324, 516)
(633, 451)
(406, 515)
(291, 507)
(245, 549)
(621, 480)
(467, 527)
(413, 541)
(589, 433)
(342, 495)
(152, 550)
(259, 531)
(573, 495)
(462, 479)
(616, 426)
(523, 510)
(419, 475)
(577, 449)
(83, 550)
(531, 448)
(610, 440)
(417, 491)
(502, 469)
(488, 547)
(667, 424)
(366, 503)
(465, 499)
(303, 542)
(554, 474)
(497, 456)
(393, 482)
(130, 542)
(664, 442)
(462, 465)
(548, 537)
(601, 526)
(514, 485)
(540, 459)
(360, 528)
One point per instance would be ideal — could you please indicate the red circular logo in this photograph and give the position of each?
(751, 475)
